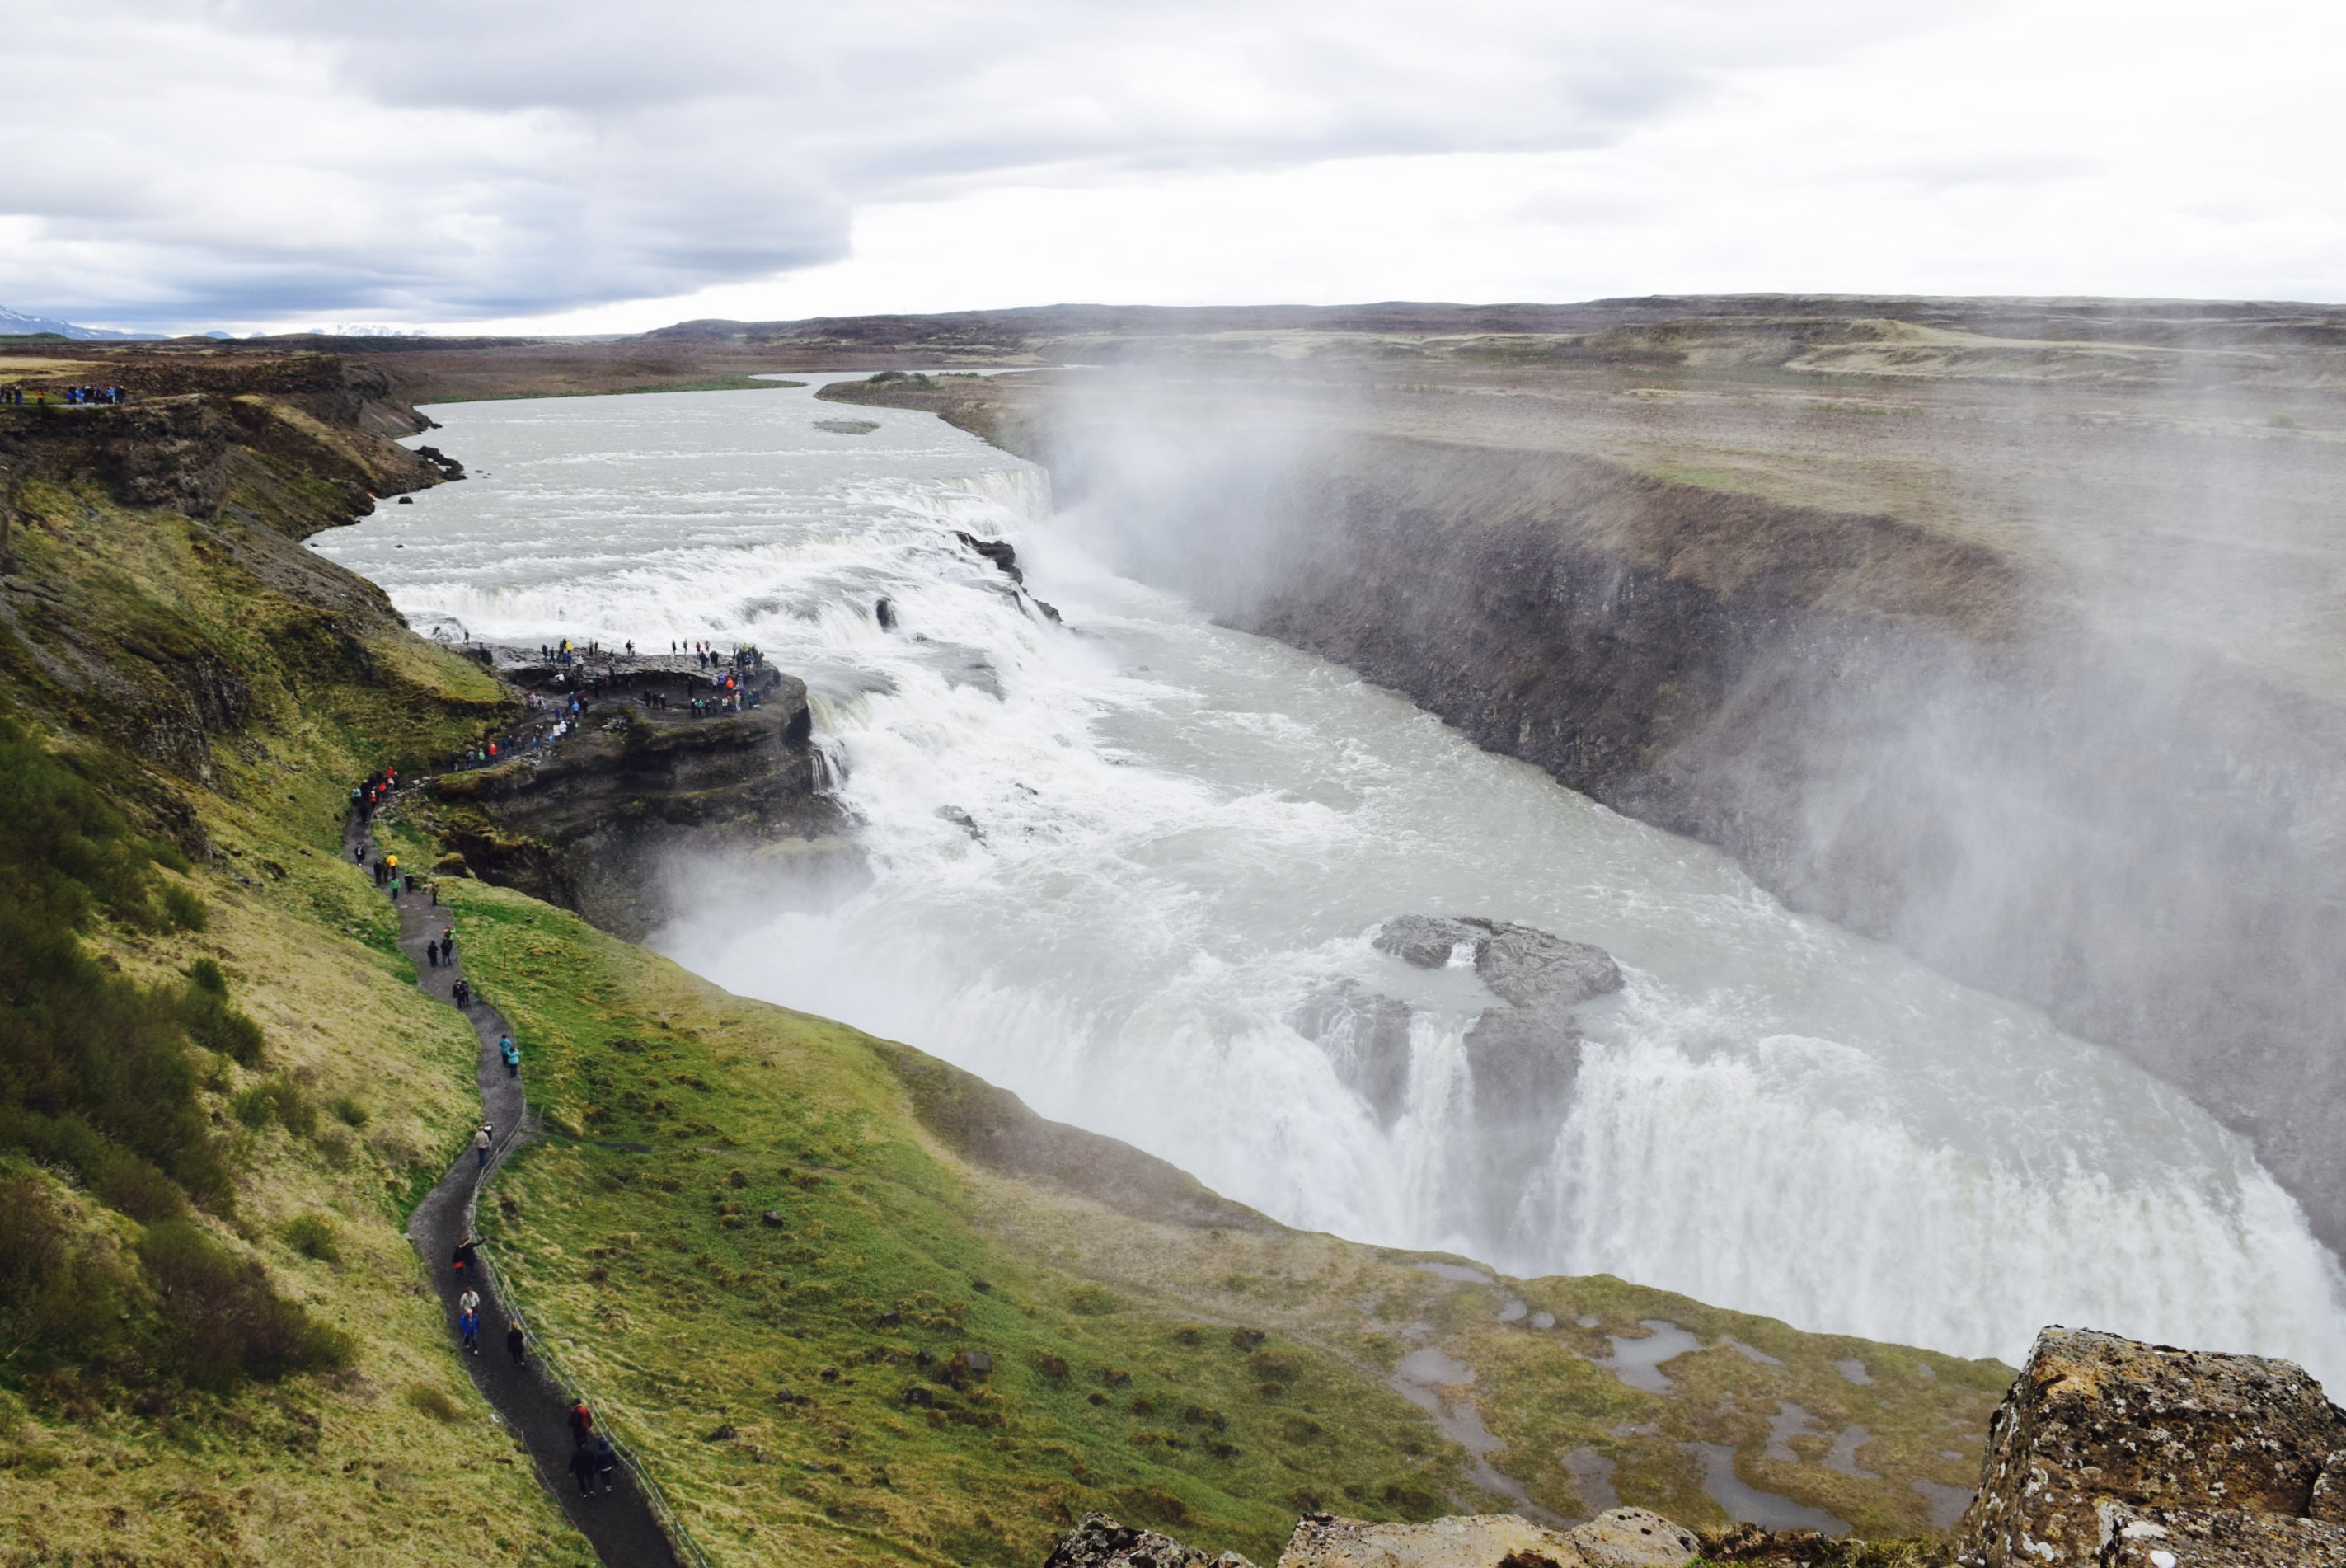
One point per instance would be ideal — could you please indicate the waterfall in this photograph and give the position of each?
(1121, 867)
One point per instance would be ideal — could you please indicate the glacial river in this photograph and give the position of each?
(1105, 863)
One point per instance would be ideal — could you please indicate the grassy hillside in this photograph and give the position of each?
(220, 1346)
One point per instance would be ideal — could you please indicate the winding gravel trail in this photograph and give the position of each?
(622, 1526)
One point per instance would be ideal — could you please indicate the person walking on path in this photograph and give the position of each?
(462, 992)
(581, 1421)
(470, 1302)
(468, 1327)
(431, 953)
(468, 1255)
(606, 1464)
(481, 1141)
(512, 1054)
(582, 1465)
(516, 1342)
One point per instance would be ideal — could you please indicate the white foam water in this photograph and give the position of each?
(1105, 863)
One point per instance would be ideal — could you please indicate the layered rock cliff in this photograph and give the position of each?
(639, 793)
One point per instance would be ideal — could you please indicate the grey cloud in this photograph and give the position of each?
(443, 160)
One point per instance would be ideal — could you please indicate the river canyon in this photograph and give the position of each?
(1117, 862)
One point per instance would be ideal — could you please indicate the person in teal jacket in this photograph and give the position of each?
(512, 1054)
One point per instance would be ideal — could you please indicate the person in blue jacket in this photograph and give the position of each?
(512, 1054)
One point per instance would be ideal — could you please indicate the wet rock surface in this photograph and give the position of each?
(1366, 1037)
(1531, 969)
(1526, 966)
(590, 821)
(2099, 1429)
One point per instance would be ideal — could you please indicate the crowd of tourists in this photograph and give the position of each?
(372, 791)
(15, 397)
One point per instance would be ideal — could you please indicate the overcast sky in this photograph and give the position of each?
(594, 165)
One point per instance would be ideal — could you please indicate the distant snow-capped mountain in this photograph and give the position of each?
(16, 323)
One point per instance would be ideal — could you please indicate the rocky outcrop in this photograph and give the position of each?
(1624, 1538)
(169, 453)
(1526, 966)
(1523, 1055)
(1099, 1541)
(2108, 1451)
(595, 820)
(1633, 1538)
(1003, 554)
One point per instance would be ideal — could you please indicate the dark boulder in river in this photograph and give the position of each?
(1521, 1057)
(1526, 966)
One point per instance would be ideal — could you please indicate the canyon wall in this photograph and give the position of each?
(1903, 730)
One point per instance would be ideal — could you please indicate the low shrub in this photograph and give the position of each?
(313, 1235)
(215, 1025)
(423, 1397)
(183, 909)
(279, 1100)
(61, 1298)
(223, 1321)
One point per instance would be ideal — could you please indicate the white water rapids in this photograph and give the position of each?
(1175, 832)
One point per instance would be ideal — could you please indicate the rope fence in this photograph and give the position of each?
(687, 1550)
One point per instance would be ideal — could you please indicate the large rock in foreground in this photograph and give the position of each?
(1624, 1538)
(2101, 1435)
(1473, 1541)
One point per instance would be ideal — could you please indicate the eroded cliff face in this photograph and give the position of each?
(606, 820)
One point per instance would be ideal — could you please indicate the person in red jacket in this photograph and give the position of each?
(582, 1423)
